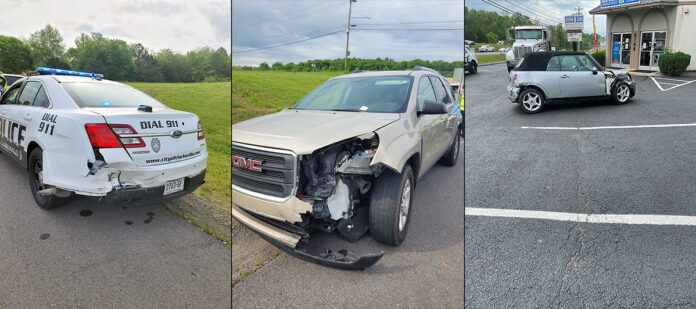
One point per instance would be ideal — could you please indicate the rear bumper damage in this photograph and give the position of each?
(280, 235)
(153, 194)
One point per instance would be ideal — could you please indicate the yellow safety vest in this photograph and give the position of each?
(3, 82)
(461, 103)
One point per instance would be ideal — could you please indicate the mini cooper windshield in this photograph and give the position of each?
(378, 94)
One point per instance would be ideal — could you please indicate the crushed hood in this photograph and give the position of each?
(303, 131)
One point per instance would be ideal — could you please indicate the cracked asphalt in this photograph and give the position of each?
(513, 262)
(425, 271)
(61, 259)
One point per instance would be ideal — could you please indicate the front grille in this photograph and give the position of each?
(277, 174)
(520, 52)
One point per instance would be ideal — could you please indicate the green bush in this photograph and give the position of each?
(674, 63)
(600, 56)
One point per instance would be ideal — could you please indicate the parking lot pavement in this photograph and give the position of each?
(635, 164)
(426, 270)
(89, 255)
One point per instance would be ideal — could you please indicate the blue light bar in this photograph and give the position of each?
(67, 72)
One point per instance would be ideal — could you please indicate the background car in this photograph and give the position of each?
(552, 76)
(504, 49)
(486, 48)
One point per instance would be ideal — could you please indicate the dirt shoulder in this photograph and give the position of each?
(198, 211)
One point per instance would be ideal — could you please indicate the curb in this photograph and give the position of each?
(195, 210)
(490, 63)
(249, 251)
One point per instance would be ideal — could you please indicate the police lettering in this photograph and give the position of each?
(12, 131)
(49, 117)
(155, 124)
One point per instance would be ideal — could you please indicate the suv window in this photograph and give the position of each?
(10, 96)
(576, 63)
(425, 92)
(29, 93)
(379, 94)
(554, 64)
(440, 90)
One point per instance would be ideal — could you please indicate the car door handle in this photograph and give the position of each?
(565, 76)
(27, 117)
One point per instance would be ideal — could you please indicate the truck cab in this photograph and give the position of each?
(527, 39)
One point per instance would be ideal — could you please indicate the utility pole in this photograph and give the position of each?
(345, 61)
(575, 44)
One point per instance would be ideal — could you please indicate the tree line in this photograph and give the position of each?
(114, 58)
(490, 27)
(445, 68)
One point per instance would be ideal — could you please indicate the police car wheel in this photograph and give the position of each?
(473, 68)
(36, 182)
(390, 206)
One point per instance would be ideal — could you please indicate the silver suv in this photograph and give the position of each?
(345, 158)
(552, 76)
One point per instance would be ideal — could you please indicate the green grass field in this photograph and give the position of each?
(256, 93)
(211, 102)
(488, 58)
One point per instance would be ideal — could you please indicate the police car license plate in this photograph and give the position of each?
(174, 186)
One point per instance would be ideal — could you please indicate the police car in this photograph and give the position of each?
(77, 133)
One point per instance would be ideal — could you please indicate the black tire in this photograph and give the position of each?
(450, 157)
(385, 206)
(473, 67)
(531, 101)
(35, 167)
(621, 93)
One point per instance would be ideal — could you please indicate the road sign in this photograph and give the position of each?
(610, 3)
(574, 36)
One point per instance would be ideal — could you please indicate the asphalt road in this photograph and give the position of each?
(62, 259)
(520, 262)
(426, 270)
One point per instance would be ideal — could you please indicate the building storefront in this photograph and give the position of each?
(638, 31)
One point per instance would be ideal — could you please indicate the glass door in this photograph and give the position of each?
(651, 48)
(621, 50)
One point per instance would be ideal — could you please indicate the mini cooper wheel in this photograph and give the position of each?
(621, 93)
(36, 184)
(531, 101)
(390, 206)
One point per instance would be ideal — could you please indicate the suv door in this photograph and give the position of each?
(427, 124)
(447, 126)
(577, 78)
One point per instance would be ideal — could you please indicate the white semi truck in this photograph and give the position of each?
(527, 39)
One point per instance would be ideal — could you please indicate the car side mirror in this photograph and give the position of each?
(594, 71)
(431, 107)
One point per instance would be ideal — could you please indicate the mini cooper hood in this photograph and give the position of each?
(617, 72)
(304, 131)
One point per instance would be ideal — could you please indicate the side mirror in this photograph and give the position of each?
(431, 107)
(594, 71)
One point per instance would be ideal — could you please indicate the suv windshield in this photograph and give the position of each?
(108, 95)
(528, 34)
(378, 94)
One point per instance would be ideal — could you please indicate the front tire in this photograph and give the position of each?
(390, 206)
(621, 93)
(473, 67)
(36, 184)
(531, 101)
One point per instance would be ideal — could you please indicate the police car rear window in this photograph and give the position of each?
(108, 95)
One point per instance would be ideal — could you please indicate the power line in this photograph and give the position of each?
(537, 11)
(505, 9)
(540, 16)
(409, 29)
(302, 10)
(285, 44)
(415, 23)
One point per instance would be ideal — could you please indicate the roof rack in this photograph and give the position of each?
(421, 68)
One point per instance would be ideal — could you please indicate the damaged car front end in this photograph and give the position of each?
(327, 190)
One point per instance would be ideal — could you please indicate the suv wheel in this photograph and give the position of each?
(473, 67)
(36, 182)
(531, 100)
(390, 206)
(450, 157)
(621, 93)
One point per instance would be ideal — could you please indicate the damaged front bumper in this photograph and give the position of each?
(292, 243)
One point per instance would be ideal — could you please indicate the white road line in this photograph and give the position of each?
(578, 217)
(684, 82)
(678, 80)
(614, 127)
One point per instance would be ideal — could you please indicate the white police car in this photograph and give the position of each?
(78, 133)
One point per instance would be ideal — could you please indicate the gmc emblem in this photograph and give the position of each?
(246, 163)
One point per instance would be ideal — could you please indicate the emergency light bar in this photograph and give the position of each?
(45, 70)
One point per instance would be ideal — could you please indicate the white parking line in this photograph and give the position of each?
(578, 217)
(614, 127)
(683, 82)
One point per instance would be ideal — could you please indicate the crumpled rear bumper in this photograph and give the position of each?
(513, 93)
(153, 194)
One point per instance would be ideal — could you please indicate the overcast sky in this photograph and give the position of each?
(259, 24)
(158, 24)
(547, 9)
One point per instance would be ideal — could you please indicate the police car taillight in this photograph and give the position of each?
(101, 136)
(201, 135)
(128, 142)
(111, 136)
